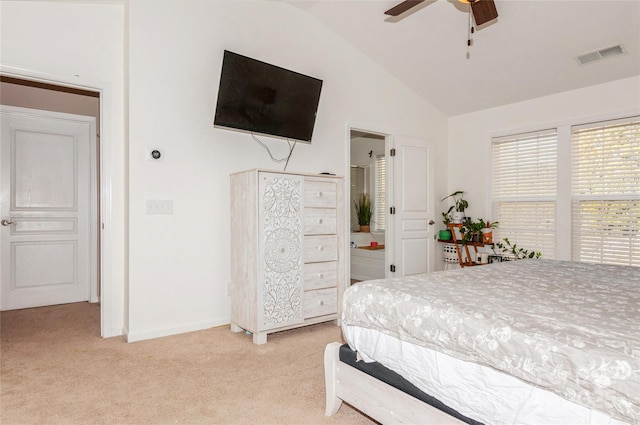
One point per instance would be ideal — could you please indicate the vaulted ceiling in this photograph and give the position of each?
(530, 51)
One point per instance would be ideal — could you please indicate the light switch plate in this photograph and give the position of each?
(159, 207)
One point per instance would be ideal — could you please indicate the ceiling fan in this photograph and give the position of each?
(483, 10)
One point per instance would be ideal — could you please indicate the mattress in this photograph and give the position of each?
(474, 391)
(569, 329)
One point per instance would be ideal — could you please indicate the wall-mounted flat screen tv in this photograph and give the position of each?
(257, 97)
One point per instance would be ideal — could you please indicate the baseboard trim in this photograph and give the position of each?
(134, 336)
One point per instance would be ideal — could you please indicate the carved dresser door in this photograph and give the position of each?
(280, 238)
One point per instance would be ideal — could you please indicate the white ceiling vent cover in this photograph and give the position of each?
(607, 52)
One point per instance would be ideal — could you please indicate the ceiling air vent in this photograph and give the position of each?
(607, 52)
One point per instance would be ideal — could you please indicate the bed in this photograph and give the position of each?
(530, 341)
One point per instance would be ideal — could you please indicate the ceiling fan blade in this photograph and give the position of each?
(484, 11)
(402, 7)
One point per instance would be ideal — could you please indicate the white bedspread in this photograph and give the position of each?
(570, 328)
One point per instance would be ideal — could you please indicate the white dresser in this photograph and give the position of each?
(287, 250)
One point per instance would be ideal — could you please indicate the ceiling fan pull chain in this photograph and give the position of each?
(470, 28)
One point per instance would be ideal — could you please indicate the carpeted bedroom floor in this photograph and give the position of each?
(55, 369)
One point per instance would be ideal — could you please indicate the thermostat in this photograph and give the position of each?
(154, 154)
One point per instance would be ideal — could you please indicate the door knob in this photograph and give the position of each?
(6, 222)
(431, 222)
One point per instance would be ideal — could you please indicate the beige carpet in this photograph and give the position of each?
(55, 369)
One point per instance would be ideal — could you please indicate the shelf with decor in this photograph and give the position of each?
(461, 248)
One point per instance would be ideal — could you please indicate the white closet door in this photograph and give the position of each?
(413, 193)
(46, 178)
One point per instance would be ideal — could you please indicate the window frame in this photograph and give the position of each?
(543, 141)
(608, 244)
(563, 242)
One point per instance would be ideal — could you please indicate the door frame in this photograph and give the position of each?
(388, 144)
(106, 236)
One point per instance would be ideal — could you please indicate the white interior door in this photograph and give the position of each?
(413, 186)
(46, 208)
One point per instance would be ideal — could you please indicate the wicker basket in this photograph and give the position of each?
(449, 253)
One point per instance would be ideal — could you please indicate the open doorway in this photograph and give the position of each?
(43, 101)
(368, 186)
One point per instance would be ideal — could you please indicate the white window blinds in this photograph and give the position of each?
(606, 192)
(524, 190)
(380, 207)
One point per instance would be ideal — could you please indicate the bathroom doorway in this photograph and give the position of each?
(368, 177)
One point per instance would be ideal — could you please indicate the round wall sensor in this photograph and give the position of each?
(155, 154)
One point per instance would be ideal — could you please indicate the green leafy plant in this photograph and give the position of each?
(515, 253)
(459, 203)
(446, 218)
(444, 234)
(471, 231)
(364, 209)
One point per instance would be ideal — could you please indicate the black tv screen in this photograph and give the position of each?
(257, 97)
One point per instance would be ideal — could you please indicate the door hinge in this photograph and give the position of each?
(392, 268)
(392, 210)
(392, 152)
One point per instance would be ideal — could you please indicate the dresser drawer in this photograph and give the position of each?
(320, 302)
(319, 221)
(320, 275)
(320, 194)
(320, 248)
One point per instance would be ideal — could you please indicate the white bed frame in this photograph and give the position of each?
(380, 401)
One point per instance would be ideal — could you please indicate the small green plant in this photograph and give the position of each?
(515, 253)
(459, 203)
(471, 231)
(364, 209)
(446, 218)
(444, 234)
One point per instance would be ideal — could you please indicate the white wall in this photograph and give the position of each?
(179, 264)
(360, 148)
(470, 134)
(169, 274)
(81, 43)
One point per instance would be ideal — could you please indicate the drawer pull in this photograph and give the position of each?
(320, 194)
(321, 275)
(319, 221)
(321, 302)
(320, 248)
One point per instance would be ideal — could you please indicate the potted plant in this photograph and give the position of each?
(458, 207)
(474, 231)
(364, 212)
(445, 235)
(487, 232)
(471, 231)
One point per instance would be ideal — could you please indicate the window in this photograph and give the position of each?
(524, 190)
(590, 199)
(380, 206)
(606, 192)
